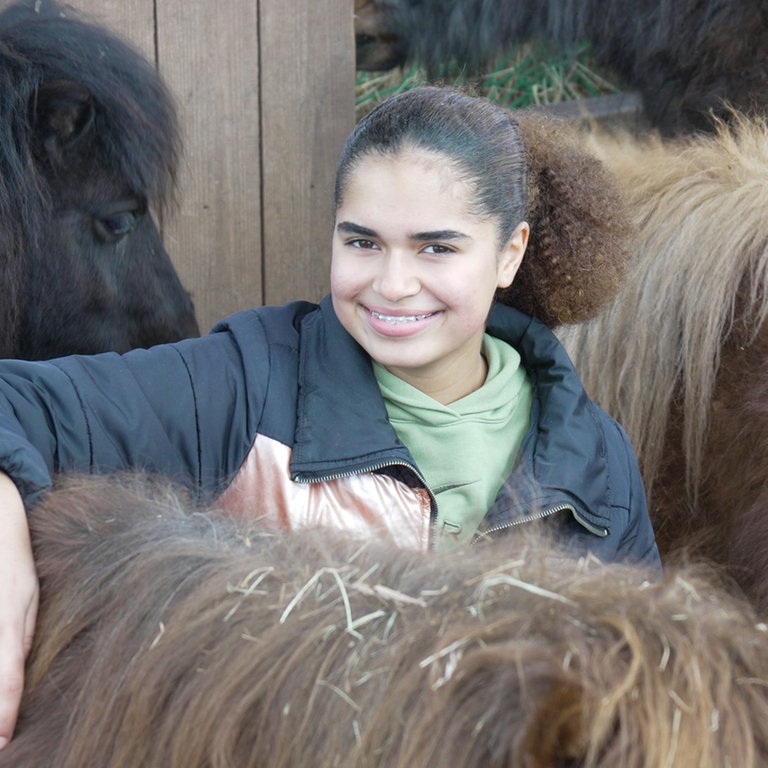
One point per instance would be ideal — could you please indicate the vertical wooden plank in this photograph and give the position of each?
(307, 84)
(208, 54)
(134, 22)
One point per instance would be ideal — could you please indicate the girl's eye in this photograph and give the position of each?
(362, 244)
(438, 249)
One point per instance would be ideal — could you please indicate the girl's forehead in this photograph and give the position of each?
(431, 171)
(411, 192)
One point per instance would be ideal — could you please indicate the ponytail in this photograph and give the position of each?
(578, 250)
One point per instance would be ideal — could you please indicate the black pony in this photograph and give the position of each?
(686, 57)
(89, 145)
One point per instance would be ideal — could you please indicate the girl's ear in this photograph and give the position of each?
(512, 255)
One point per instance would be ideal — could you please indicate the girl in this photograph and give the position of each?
(405, 404)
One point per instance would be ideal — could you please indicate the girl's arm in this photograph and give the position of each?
(18, 603)
(183, 410)
(176, 410)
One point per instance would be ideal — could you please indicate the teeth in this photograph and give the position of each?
(398, 319)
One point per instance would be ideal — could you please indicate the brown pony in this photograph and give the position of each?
(681, 356)
(170, 636)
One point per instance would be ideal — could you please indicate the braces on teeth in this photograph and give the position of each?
(398, 319)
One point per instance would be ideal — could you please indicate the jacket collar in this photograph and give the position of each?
(342, 425)
(565, 450)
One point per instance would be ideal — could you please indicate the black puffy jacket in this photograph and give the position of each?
(291, 377)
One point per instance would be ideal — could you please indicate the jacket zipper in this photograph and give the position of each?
(602, 532)
(375, 468)
(598, 531)
(527, 519)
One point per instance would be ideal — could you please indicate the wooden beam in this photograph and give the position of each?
(308, 91)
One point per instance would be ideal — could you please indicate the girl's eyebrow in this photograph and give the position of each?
(439, 234)
(349, 228)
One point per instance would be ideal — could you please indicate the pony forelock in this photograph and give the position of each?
(137, 122)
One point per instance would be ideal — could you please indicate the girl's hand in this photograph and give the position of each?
(18, 603)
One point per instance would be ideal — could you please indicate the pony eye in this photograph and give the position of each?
(113, 221)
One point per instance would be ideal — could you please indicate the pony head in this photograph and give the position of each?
(89, 147)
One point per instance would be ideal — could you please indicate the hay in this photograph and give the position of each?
(352, 654)
(524, 76)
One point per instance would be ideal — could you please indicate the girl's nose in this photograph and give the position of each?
(396, 278)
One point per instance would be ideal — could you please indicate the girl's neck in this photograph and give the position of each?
(446, 386)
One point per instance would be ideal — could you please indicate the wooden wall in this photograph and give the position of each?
(265, 90)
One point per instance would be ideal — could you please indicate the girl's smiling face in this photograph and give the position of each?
(414, 270)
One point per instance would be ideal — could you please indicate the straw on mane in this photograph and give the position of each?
(172, 637)
(679, 358)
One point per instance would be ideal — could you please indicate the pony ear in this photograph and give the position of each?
(62, 114)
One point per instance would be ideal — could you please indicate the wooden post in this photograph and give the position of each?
(209, 56)
(133, 21)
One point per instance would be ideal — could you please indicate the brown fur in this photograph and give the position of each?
(681, 356)
(171, 637)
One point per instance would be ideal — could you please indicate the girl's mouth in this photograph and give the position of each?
(399, 319)
(400, 326)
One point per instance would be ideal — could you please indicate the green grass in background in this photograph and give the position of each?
(526, 75)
